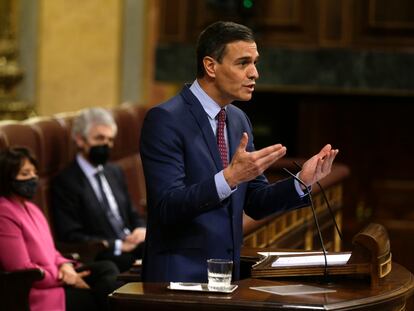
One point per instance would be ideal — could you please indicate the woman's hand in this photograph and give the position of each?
(69, 276)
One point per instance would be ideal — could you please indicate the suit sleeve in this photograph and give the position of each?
(17, 257)
(264, 199)
(67, 214)
(171, 198)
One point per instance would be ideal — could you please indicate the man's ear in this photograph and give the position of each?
(80, 141)
(209, 66)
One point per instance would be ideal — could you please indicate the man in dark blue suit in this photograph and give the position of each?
(202, 169)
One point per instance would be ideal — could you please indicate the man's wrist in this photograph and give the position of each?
(298, 175)
(229, 179)
(118, 247)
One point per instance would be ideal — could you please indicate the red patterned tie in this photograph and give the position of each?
(221, 142)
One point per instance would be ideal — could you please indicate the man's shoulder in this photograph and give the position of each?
(70, 173)
(177, 103)
(113, 168)
(234, 110)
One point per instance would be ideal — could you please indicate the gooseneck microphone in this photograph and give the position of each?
(314, 218)
(327, 203)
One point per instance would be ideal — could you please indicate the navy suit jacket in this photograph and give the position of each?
(77, 213)
(187, 224)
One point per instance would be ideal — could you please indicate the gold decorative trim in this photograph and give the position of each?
(281, 225)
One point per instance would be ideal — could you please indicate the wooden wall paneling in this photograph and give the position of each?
(292, 22)
(282, 13)
(181, 21)
(173, 20)
(385, 14)
(383, 24)
(335, 23)
(393, 198)
(330, 22)
(297, 23)
(373, 135)
(204, 14)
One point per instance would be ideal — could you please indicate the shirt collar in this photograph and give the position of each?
(86, 167)
(209, 105)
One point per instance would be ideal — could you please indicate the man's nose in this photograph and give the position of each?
(253, 73)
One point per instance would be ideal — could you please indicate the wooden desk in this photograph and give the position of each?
(391, 294)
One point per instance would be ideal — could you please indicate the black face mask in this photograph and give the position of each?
(25, 188)
(98, 155)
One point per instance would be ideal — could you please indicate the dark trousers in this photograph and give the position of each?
(125, 260)
(102, 282)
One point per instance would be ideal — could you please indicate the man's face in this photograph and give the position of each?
(235, 76)
(98, 135)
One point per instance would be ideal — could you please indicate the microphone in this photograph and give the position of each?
(314, 218)
(327, 203)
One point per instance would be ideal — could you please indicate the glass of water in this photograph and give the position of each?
(219, 273)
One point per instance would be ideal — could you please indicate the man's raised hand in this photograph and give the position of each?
(318, 166)
(246, 166)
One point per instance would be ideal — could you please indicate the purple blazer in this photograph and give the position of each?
(26, 242)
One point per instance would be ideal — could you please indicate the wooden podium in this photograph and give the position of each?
(366, 282)
(390, 294)
(371, 257)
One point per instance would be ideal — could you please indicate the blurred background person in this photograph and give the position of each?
(90, 199)
(26, 242)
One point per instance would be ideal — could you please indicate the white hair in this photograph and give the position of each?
(91, 117)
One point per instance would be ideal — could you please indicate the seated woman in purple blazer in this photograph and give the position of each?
(26, 242)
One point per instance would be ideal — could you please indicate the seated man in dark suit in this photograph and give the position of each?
(90, 199)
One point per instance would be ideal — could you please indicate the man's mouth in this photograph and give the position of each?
(250, 86)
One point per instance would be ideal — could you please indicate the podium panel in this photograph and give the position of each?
(391, 294)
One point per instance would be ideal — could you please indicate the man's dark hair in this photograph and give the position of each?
(214, 39)
(11, 160)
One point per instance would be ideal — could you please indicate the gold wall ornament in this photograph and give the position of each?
(10, 72)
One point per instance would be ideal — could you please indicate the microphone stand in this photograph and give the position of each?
(314, 218)
(327, 203)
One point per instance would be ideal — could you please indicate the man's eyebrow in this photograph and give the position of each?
(243, 58)
(247, 58)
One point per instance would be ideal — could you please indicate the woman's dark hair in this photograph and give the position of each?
(213, 40)
(11, 160)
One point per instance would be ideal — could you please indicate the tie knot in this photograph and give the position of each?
(222, 115)
(98, 174)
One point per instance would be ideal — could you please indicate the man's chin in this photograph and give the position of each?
(245, 97)
(242, 97)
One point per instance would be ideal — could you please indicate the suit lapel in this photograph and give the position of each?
(89, 193)
(234, 132)
(204, 125)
